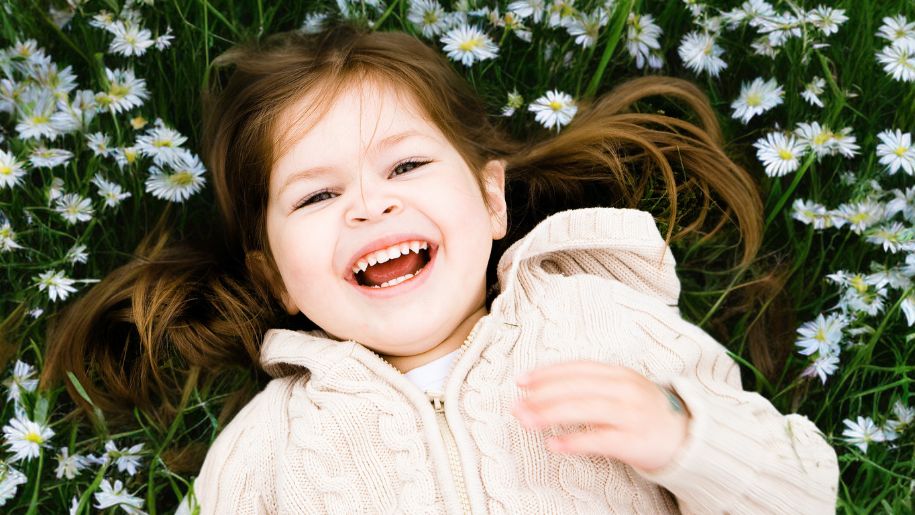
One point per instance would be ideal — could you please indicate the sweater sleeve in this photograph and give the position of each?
(238, 473)
(741, 455)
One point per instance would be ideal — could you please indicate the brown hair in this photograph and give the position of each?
(184, 306)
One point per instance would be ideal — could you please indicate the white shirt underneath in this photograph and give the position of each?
(432, 375)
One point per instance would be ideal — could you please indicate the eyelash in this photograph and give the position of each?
(311, 200)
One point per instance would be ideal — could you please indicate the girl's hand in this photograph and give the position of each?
(635, 420)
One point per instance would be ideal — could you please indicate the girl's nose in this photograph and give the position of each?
(371, 207)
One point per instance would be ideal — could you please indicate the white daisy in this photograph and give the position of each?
(762, 46)
(11, 171)
(8, 238)
(58, 82)
(56, 189)
(642, 35)
(529, 8)
(25, 438)
(893, 237)
(116, 495)
(585, 28)
(896, 151)
(58, 285)
(700, 53)
(827, 19)
(903, 202)
(43, 157)
(111, 192)
(820, 335)
(125, 156)
(756, 98)
(164, 40)
(99, 143)
(21, 380)
(780, 27)
(184, 179)
(102, 20)
(862, 432)
(125, 91)
(554, 109)
(826, 142)
(904, 414)
(77, 254)
(129, 39)
(824, 365)
(75, 115)
(161, 143)
(898, 31)
(861, 215)
(779, 154)
(561, 13)
(127, 459)
(68, 466)
(10, 479)
(74, 208)
(515, 102)
(36, 107)
(813, 90)
(313, 23)
(898, 61)
(809, 212)
(429, 16)
(467, 44)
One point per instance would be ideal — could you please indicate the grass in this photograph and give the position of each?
(877, 365)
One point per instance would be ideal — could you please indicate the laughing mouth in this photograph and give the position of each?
(392, 265)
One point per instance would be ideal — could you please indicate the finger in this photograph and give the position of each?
(602, 442)
(571, 369)
(556, 390)
(574, 411)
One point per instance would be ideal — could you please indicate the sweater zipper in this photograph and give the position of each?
(438, 404)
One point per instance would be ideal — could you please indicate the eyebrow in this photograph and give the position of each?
(378, 147)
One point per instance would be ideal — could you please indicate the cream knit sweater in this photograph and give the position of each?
(339, 430)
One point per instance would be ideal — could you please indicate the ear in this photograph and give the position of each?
(265, 276)
(494, 190)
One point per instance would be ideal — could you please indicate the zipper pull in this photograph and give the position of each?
(438, 402)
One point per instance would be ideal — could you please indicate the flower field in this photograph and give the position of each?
(100, 122)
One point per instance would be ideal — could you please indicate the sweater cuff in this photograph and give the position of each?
(717, 462)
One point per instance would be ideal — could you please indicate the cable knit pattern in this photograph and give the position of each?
(341, 431)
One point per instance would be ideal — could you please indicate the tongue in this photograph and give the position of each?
(392, 269)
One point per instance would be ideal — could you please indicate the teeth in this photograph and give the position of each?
(387, 254)
(394, 282)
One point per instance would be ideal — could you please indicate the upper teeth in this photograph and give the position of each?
(387, 254)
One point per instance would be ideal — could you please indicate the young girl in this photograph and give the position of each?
(363, 189)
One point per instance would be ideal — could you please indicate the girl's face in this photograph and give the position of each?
(373, 174)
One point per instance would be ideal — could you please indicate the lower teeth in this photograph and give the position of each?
(394, 282)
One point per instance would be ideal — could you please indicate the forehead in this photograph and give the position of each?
(359, 114)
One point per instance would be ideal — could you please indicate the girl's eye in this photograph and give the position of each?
(325, 194)
(413, 164)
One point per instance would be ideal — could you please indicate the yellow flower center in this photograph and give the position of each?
(555, 105)
(470, 44)
(181, 179)
(161, 143)
(820, 335)
(900, 150)
(34, 437)
(754, 99)
(429, 17)
(6, 170)
(857, 282)
(785, 154)
(822, 138)
(118, 91)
